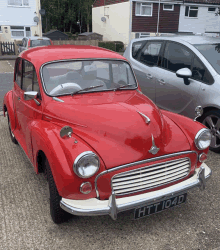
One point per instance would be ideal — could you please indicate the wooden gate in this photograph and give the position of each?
(8, 48)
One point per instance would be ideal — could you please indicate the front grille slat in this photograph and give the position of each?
(149, 168)
(135, 178)
(150, 176)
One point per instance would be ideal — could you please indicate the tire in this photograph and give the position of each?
(211, 120)
(57, 213)
(11, 133)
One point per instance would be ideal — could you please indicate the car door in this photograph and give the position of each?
(171, 92)
(144, 61)
(28, 110)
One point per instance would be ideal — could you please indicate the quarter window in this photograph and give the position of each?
(143, 9)
(191, 11)
(30, 82)
(136, 47)
(18, 72)
(149, 53)
(176, 57)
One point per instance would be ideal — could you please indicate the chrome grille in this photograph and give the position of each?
(150, 177)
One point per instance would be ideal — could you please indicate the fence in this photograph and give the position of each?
(76, 42)
(7, 48)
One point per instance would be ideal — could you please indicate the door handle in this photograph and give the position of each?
(149, 76)
(161, 81)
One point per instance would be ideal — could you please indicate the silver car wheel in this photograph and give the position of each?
(213, 123)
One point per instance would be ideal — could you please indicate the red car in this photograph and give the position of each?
(80, 117)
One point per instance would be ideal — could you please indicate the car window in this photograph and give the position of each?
(39, 42)
(212, 53)
(199, 71)
(18, 71)
(62, 78)
(136, 47)
(149, 53)
(176, 56)
(29, 82)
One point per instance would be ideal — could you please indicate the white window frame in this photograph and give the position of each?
(24, 30)
(212, 11)
(168, 9)
(143, 4)
(192, 9)
(19, 6)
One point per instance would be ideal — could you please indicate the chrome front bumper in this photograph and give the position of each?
(113, 206)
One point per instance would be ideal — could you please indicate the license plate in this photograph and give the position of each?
(159, 206)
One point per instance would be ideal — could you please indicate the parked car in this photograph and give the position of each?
(104, 147)
(30, 42)
(179, 73)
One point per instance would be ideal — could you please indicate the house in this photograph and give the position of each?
(19, 18)
(123, 20)
(56, 35)
(90, 36)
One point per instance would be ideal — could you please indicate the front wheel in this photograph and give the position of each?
(11, 133)
(57, 213)
(211, 120)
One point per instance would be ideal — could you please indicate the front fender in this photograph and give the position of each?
(188, 126)
(61, 154)
(8, 103)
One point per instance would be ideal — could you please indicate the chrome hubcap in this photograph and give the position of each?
(213, 123)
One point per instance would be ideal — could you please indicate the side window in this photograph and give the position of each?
(27, 76)
(18, 72)
(149, 53)
(136, 47)
(176, 56)
(199, 72)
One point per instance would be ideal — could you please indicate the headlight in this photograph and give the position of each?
(203, 139)
(86, 164)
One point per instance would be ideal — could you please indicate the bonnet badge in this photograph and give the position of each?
(154, 149)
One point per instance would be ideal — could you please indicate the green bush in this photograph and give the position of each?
(114, 46)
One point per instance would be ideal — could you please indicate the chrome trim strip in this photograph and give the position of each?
(57, 99)
(140, 162)
(113, 206)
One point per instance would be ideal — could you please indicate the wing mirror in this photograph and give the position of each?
(184, 73)
(29, 95)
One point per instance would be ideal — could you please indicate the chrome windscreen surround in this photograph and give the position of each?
(149, 177)
(163, 157)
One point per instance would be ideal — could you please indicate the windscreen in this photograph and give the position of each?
(62, 78)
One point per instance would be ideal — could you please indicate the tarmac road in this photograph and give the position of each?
(26, 223)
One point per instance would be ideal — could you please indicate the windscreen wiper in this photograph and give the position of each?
(124, 86)
(88, 88)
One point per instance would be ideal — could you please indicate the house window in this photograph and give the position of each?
(168, 7)
(28, 31)
(191, 11)
(17, 31)
(143, 9)
(18, 2)
(211, 9)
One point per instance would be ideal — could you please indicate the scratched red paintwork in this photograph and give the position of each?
(106, 123)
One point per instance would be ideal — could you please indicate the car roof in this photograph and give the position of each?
(194, 39)
(37, 37)
(41, 55)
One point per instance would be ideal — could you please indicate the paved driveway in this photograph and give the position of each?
(26, 223)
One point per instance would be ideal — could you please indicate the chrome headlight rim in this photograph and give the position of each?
(80, 157)
(198, 136)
